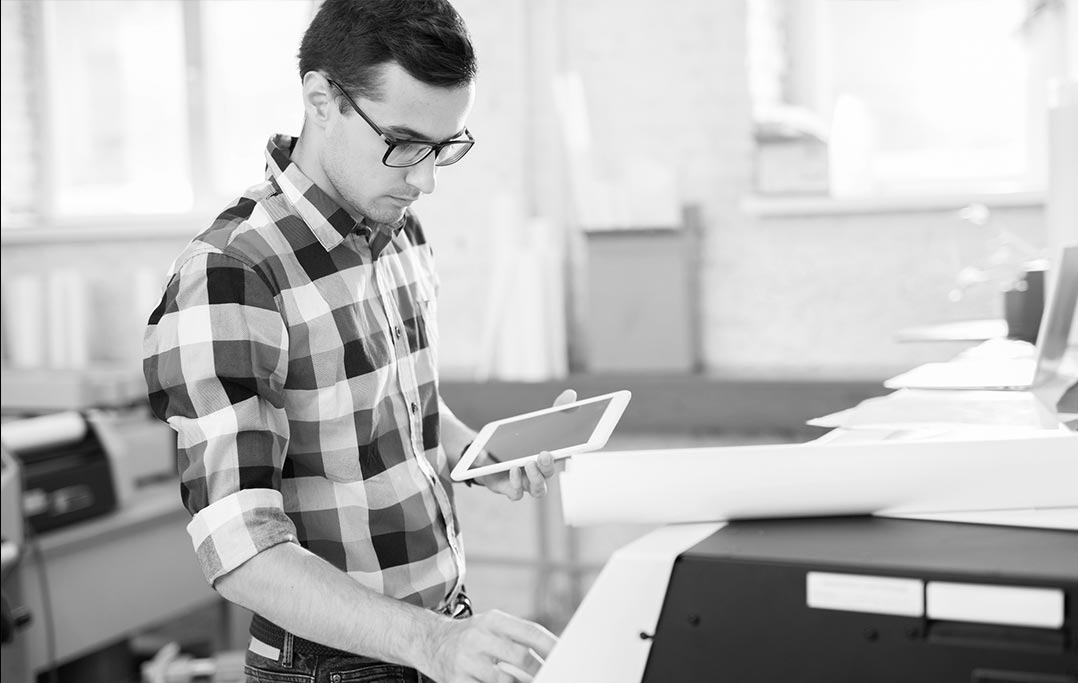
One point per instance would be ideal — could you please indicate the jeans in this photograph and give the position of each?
(327, 669)
(271, 664)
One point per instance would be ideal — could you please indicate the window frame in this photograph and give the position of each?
(803, 38)
(46, 223)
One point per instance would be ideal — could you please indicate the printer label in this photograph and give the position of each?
(861, 593)
(1009, 605)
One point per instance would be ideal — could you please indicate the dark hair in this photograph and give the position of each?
(350, 39)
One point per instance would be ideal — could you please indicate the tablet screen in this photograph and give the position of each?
(546, 432)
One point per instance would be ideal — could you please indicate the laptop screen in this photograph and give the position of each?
(1055, 330)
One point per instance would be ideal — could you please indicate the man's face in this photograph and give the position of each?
(408, 108)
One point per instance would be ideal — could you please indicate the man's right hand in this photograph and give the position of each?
(472, 649)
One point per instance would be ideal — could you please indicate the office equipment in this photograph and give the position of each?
(1025, 469)
(11, 521)
(829, 599)
(141, 449)
(138, 558)
(866, 599)
(1023, 304)
(990, 591)
(1013, 374)
(14, 616)
(81, 465)
(915, 408)
(607, 640)
(68, 477)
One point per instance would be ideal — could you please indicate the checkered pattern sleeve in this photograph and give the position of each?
(216, 352)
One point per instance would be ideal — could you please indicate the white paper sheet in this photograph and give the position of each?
(1037, 518)
(602, 643)
(911, 408)
(796, 480)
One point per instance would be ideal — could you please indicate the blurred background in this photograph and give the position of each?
(730, 208)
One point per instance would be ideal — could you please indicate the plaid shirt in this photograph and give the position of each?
(294, 351)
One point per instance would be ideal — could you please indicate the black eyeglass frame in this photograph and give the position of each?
(392, 142)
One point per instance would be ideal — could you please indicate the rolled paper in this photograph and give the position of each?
(39, 433)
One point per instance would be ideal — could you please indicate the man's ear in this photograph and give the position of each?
(319, 104)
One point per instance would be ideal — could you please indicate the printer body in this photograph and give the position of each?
(77, 466)
(867, 599)
(67, 482)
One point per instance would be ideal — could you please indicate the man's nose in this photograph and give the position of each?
(422, 175)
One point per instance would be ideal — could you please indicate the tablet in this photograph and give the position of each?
(575, 427)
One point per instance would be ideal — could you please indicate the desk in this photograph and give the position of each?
(110, 578)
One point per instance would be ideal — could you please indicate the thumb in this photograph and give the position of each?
(567, 396)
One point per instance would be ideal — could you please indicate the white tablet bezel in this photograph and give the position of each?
(599, 435)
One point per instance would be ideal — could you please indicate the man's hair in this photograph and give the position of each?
(349, 40)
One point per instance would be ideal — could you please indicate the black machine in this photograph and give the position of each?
(866, 599)
(66, 481)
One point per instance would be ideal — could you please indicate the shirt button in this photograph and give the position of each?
(415, 407)
(397, 331)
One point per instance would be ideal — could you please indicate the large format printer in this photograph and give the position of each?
(833, 599)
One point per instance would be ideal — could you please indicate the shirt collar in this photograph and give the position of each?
(327, 220)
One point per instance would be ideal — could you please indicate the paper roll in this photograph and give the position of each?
(801, 480)
(38, 433)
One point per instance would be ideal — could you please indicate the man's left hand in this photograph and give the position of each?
(533, 476)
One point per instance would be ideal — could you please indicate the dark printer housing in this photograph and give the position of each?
(66, 483)
(736, 607)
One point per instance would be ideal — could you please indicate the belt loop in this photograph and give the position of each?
(286, 650)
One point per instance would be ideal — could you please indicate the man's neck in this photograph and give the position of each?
(305, 155)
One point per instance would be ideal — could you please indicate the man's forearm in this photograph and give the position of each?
(312, 599)
(455, 435)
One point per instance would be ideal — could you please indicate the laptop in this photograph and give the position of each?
(1014, 374)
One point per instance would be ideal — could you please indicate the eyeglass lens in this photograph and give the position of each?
(409, 154)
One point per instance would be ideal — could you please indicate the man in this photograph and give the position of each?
(294, 352)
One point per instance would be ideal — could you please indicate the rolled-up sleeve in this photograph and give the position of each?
(215, 362)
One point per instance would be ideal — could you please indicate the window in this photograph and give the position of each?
(141, 107)
(915, 97)
(116, 107)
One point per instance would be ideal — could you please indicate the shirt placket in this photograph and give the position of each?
(409, 386)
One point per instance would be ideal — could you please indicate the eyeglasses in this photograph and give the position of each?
(404, 152)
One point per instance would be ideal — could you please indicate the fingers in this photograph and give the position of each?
(526, 633)
(536, 480)
(504, 676)
(516, 487)
(532, 475)
(567, 396)
(517, 673)
(493, 647)
(516, 659)
(545, 464)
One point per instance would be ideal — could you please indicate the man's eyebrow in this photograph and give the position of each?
(411, 133)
